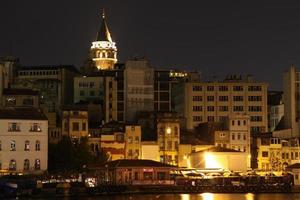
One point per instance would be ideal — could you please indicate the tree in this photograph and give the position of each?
(69, 155)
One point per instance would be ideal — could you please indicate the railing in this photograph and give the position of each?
(152, 182)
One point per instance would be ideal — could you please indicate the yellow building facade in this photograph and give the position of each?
(201, 102)
(168, 138)
(276, 154)
(133, 142)
(74, 122)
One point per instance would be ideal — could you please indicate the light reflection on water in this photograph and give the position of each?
(202, 196)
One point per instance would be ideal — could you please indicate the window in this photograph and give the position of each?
(161, 175)
(84, 126)
(0, 145)
(35, 127)
(256, 118)
(12, 145)
(10, 101)
(169, 145)
(223, 88)
(37, 145)
(136, 176)
(222, 135)
(238, 108)
(222, 118)
(197, 108)
(14, 127)
(265, 154)
(232, 122)
(37, 164)
(81, 92)
(239, 122)
(137, 139)
(210, 108)
(27, 146)
(26, 164)
(75, 126)
(210, 98)
(238, 98)
(254, 88)
(223, 98)
(210, 118)
(197, 88)
(238, 136)
(129, 140)
(254, 108)
(197, 118)
(244, 136)
(148, 175)
(176, 145)
(12, 165)
(254, 98)
(210, 88)
(238, 88)
(223, 108)
(176, 131)
(130, 153)
(232, 136)
(197, 98)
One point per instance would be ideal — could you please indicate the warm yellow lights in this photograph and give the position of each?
(207, 196)
(211, 161)
(168, 130)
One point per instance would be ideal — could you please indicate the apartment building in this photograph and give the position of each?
(168, 137)
(200, 102)
(23, 141)
(74, 121)
(133, 134)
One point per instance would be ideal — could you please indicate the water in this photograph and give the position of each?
(203, 196)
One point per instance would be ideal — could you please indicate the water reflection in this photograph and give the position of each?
(207, 196)
(202, 196)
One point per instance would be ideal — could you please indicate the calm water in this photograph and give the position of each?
(203, 196)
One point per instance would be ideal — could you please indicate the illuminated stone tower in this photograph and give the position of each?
(103, 50)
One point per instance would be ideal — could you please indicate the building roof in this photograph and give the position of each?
(74, 108)
(19, 91)
(27, 113)
(219, 149)
(135, 163)
(49, 67)
(103, 33)
(294, 166)
(275, 98)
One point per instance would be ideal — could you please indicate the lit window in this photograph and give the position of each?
(12, 165)
(35, 127)
(13, 145)
(27, 146)
(37, 164)
(13, 127)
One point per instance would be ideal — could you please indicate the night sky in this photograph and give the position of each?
(216, 37)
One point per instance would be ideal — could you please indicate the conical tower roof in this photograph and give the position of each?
(103, 33)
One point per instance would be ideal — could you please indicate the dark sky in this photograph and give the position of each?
(216, 37)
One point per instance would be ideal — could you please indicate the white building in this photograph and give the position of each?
(23, 140)
(218, 157)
